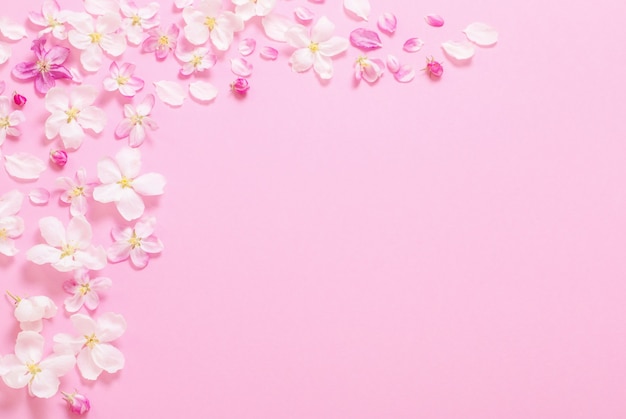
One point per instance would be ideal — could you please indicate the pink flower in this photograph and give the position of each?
(51, 18)
(84, 290)
(135, 122)
(75, 192)
(96, 36)
(58, 157)
(161, 42)
(240, 86)
(136, 19)
(433, 68)
(77, 402)
(207, 21)
(9, 120)
(46, 69)
(138, 243)
(369, 69)
(122, 79)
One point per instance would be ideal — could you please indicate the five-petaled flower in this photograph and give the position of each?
(138, 19)
(121, 78)
(46, 69)
(11, 225)
(51, 18)
(138, 243)
(207, 21)
(368, 69)
(75, 192)
(84, 290)
(135, 122)
(161, 42)
(250, 8)
(195, 59)
(94, 37)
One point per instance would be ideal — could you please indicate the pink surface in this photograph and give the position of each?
(436, 250)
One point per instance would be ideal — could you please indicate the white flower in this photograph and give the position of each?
(75, 192)
(315, 51)
(30, 311)
(122, 184)
(51, 18)
(93, 37)
(84, 290)
(12, 31)
(196, 60)
(135, 122)
(250, 8)
(9, 119)
(11, 225)
(207, 20)
(26, 367)
(67, 250)
(95, 353)
(137, 20)
(137, 243)
(71, 114)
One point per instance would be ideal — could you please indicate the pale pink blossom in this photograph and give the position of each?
(247, 9)
(78, 403)
(135, 122)
(137, 242)
(93, 36)
(138, 19)
(11, 225)
(67, 249)
(207, 21)
(315, 50)
(161, 42)
(30, 311)
(122, 184)
(75, 192)
(369, 69)
(195, 60)
(51, 18)
(92, 345)
(72, 113)
(27, 368)
(121, 78)
(9, 119)
(84, 290)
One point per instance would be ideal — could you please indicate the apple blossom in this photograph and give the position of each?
(11, 225)
(121, 78)
(69, 249)
(94, 37)
(9, 120)
(369, 69)
(138, 243)
(46, 69)
(77, 403)
(195, 60)
(84, 290)
(247, 9)
(31, 310)
(207, 21)
(135, 122)
(161, 42)
(75, 192)
(51, 18)
(138, 19)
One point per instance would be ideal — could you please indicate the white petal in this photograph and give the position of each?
(84, 324)
(111, 326)
(88, 369)
(181, 4)
(24, 166)
(458, 50)
(202, 91)
(45, 384)
(360, 8)
(39, 196)
(92, 118)
(42, 254)
(246, 46)
(58, 364)
(12, 30)
(101, 7)
(10, 203)
(29, 347)
(79, 232)
(303, 14)
(481, 34)
(5, 53)
(111, 192)
(149, 184)
(129, 162)
(240, 67)
(170, 92)
(130, 205)
(276, 26)
(108, 357)
(108, 171)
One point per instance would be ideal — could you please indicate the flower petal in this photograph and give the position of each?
(434, 20)
(269, 53)
(170, 92)
(29, 347)
(149, 184)
(44, 384)
(413, 45)
(79, 232)
(387, 22)
(405, 73)
(13, 31)
(360, 8)
(365, 39)
(23, 165)
(108, 357)
(118, 252)
(87, 367)
(202, 91)
(42, 254)
(460, 51)
(241, 67)
(111, 326)
(39, 196)
(393, 64)
(246, 46)
(481, 34)
(130, 205)
(92, 118)
(10, 203)
(276, 26)
(303, 14)
(139, 258)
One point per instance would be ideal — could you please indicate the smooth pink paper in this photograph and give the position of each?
(435, 250)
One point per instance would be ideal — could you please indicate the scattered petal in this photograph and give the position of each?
(458, 50)
(269, 53)
(365, 39)
(203, 91)
(413, 45)
(393, 64)
(304, 15)
(247, 46)
(434, 20)
(276, 26)
(24, 166)
(170, 92)
(387, 22)
(240, 67)
(39, 196)
(360, 8)
(405, 74)
(481, 34)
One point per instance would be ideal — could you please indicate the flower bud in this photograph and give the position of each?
(240, 86)
(18, 99)
(434, 68)
(59, 157)
(77, 402)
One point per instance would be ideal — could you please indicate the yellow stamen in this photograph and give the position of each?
(136, 20)
(33, 369)
(362, 61)
(125, 182)
(52, 22)
(164, 40)
(134, 241)
(4, 122)
(95, 37)
(210, 23)
(14, 297)
(43, 66)
(78, 191)
(67, 250)
(196, 60)
(71, 114)
(84, 289)
(136, 119)
(3, 234)
(314, 46)
(91, 341)
(121, 80)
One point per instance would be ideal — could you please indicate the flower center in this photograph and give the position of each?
(52, 22)
(136, 119)
(125, 182)
(84, 289)
(71, 114)
(78, 191)
(33, 369)
(196, 60)
(67, 250)
(95, 37)
(209, 22)
(3, 234)
(136, 20)
(314, 46)
(164, 40)
(134, 241)
(4, 122)
(121, 80)
(43, 66)
(91, 341)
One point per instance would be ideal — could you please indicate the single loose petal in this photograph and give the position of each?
(170, 92)
(13, 31)
(39, 196)
(269, 53)
(365, 39)
(240, 67)
(387, 22)
(23, 165)
(303, 14)
(360, 8)
(203, 91)
(458, 50)
(393, 64)
(413, 45)
(275, 26)
(481, 34)
(434, 20)
(247, 46)
(405, 73)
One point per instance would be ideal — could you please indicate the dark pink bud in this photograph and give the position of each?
(59, 157)
(240, 86)
(18, 99)
(77, 402)
(434, 68)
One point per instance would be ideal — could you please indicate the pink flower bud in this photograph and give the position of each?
(240, 86)
(434, 68)
(18, 99)
(58, 157)
(77, 403)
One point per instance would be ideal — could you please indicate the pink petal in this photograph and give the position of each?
(458, 50)
(118, 252)
(303, 14)
(481, 34)
(405, 74)
(387, 22)
(170, 92)
(247, 46)
(240, 67)
(139, 257)
(269, 53)
(434, 20)
(365, 39)
(393, 64)
(275, 26)
(24, 166)
(39, 196)
(203, 91)
(413, 45)
(360, 8)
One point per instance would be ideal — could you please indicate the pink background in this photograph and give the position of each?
(449, 249)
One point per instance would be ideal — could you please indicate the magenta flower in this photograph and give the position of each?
(47, 68)
(161, 42)
(77, 402)
(240, 86)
